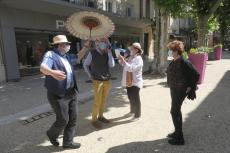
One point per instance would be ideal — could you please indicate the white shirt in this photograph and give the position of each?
(135, 65)
(69, 74)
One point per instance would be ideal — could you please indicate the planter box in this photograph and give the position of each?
(218, 53)
(211, 56)
(199, 62)
(206, 56)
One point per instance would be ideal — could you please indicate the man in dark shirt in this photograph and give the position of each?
(61, 92)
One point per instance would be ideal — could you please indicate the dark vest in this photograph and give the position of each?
(99, 66)
(54, 86)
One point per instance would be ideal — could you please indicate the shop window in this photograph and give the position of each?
(31, 47)
(128, 12)
(109, 6)
(91, 4)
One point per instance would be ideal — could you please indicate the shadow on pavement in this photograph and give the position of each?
(206, 129)
(115, 100)
(163, 84)
(31, 137)
(141, 147)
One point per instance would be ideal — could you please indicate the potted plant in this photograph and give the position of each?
(209, 51)
(218, 51)
(211, 54)
(204, 50)
(198, 58)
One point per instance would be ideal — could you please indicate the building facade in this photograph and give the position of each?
(181, 29)
(27, 28)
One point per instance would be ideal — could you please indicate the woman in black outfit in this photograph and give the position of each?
(182, 79)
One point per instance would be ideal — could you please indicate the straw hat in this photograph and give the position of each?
(138, 46)
(60, 39)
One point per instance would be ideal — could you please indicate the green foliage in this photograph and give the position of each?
(223, 12)
(203, 7)
(213, 24)
(205, 49)
(200, 50)
(218, 45)
(185, 55)
(177, 8)
(192, 8)
(223, 17)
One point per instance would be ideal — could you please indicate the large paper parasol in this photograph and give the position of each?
(90, 25)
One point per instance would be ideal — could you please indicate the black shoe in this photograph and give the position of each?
(130, 114)
(137, 116)
(52, 140)
(89, 81)
(171, 135)
(176, 141)
(135, 119)
(103, 119)
(96, 124)
(71, 146)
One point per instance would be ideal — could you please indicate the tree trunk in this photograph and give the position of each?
(163, 42)
(202, 30)
(203, 22)
(154, 66)
(161, 39)
(156, 42)
(223, 31)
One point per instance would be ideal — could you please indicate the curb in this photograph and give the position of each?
(30, 113)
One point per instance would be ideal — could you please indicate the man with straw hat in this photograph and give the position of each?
(61, 92)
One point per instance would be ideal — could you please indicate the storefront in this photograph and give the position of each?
(32, 45)
(27, 31)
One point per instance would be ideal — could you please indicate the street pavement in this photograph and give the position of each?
(206, 120)
(23, 99)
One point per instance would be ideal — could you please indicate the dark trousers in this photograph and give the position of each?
(177, 96)
(134, 99)
(66, 116)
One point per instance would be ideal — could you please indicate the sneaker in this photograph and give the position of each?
(52, 140)
(103, 119)
(96, 124)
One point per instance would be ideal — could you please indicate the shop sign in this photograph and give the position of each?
(60, 24)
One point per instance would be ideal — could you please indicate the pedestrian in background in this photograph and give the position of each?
(132, 78)
(61, 92)
(98, 64)
(182, 79)
(88, 45)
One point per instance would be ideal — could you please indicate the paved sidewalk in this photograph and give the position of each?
(206, 121)
(23, 99)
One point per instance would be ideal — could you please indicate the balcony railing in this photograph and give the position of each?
(85, 3)
(119, 10)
